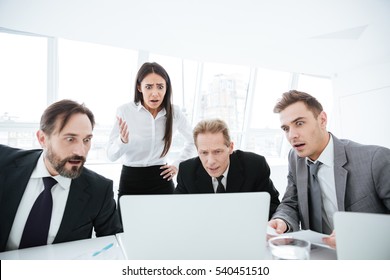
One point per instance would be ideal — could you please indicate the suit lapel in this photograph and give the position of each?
(14, 180)
(77, 201)
(340, 173)
(235, 177)
(203, 181)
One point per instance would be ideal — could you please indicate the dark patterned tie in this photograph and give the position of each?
(220, 188)
(37, 225)
(315, 199)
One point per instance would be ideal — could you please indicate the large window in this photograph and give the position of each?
(23, 94)
(264, 134)
(102, 77)
(223, 94)
(23, 77)
(36, 71)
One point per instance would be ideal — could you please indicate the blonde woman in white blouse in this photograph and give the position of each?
(142, 135)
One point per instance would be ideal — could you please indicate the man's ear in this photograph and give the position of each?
(42, 138)
(231, 147)
(323, 119)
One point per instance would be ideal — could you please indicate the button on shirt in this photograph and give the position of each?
(60, 193)
(327, 182)
(146, 135)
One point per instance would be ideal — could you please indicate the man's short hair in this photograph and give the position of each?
(62, 110)
(212, 126)
(293, 96)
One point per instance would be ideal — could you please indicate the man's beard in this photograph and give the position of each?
(59, 165)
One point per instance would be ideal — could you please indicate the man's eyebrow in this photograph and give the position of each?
(293, 121)
(75, 135)
(297, 119)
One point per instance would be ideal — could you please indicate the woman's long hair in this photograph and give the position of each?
(146, 69)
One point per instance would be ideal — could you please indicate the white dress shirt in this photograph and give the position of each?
(327, 183)
(146, 135)
(223, 181)
(60, 192)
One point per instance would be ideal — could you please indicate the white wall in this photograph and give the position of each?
(363, 102)
(312, 37)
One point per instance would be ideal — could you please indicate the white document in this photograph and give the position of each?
(308, 235)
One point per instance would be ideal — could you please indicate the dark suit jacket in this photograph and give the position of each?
(248, 172)
(90, 202)
(362, 179)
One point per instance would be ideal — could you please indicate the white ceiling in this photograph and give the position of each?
(321, 37)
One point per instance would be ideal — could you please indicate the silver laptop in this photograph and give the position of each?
(195, 226)
(362, 236)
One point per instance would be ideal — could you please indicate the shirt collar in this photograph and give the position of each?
(327, 155)
(140, 107)
(224, 175)
(41, 171)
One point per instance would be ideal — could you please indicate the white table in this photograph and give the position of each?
(87, 249)
(93, 249)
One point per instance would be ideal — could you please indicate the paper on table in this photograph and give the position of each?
(309, 235)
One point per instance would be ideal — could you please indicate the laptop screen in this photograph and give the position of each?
(362, 236)
(195, 226)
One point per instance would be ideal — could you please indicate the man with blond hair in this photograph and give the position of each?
(218, 168)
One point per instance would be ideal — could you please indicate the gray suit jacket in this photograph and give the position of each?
(90, 203)
(362, 179)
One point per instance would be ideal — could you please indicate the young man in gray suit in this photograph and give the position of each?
(351, 176)
(81, 200)
(219, 168)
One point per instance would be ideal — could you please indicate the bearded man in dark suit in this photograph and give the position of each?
(82, 200)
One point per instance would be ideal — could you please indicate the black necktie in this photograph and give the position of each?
(37, 225)
(220, 188)
(315, 199)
